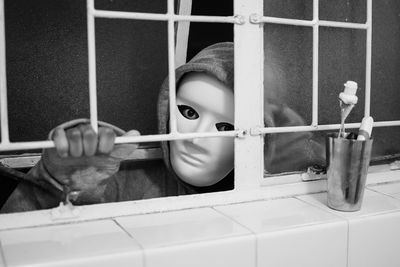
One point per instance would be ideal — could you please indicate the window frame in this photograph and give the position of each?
(250, 183)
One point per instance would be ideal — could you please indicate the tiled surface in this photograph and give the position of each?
(292, 227)
(374, 232)
(2, 264)
(299, 231)
(374, 203)
(99, 243)
(392, 189)
(195, 237)
(226, 252)
(276, 215)
(375, 241)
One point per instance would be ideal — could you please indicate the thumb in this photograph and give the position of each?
(123, 151)
(132, 133)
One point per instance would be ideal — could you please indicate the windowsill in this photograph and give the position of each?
(272, 188)
(262, 232)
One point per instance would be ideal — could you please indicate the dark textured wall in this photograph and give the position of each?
(341, 58)
(47, 67)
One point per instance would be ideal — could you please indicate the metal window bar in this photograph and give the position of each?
(93, 13)
(3, 79)
(171, 18)
(248, 74)
(315, 23)
(182, 33)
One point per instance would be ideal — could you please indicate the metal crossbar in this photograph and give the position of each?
(93, 13)
(315, 23)
(171, 18)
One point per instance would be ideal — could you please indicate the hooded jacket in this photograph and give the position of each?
(156, 178)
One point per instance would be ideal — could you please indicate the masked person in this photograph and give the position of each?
(92, 169)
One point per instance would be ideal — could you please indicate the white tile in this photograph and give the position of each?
(176, 227)
(312, 246)
(375, 241)
(194, 237)
(395, 195)
(224, 252)
(275, 215)
(2, 264)
(98, 243)
(374, 203)
(291, 232)
(392, 189)
(374, 232)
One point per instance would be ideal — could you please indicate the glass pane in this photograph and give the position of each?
(290, 9)
(48, 85)
(343, 10)
(342, 56)
(154, 6)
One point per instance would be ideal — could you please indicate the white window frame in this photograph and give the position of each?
(249, 136)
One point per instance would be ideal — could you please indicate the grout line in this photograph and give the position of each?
(2, 256)
(347, 221)
(137, 241)
(348, 244)
(362, 216)
(244, 226)
(383, 193)
(325, 210)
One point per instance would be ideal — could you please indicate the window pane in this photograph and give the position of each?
(290, 9)
(342, 56)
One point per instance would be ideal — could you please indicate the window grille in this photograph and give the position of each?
(249, 64)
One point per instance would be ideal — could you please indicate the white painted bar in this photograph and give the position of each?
(249, 109)
(130, 15)
(174, 136)
(294, 22)
(368, 63)
(310, 23)
(315, 78)
(338, 24)
(26, 145)
(181, 136)
(325, 127)
(182, 33)
(92, 64)
(3, 79)
(125, 139)
(171, 69)
(161, 17)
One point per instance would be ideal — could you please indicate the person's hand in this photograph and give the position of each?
(82, 159)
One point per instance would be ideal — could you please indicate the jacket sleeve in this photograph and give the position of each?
(295, 151)
(40, 190)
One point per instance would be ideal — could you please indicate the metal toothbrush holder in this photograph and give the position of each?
(347, 167)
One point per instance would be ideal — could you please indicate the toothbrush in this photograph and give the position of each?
(347, 100)
(364, 133)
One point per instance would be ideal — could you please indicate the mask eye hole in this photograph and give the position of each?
(188, 112)
(224, 126)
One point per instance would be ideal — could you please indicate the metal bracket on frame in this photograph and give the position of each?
(255, 131)
(255, 18)
(241, 133)
(239, 19)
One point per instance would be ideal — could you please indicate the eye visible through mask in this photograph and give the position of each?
(224, 126)
(191, 114)
(188, 112)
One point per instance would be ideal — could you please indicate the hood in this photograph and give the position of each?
(281, 151)
(216, 60)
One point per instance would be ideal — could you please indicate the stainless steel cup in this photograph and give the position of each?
(347, 167)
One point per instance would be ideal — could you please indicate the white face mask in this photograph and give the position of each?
(204, 104)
